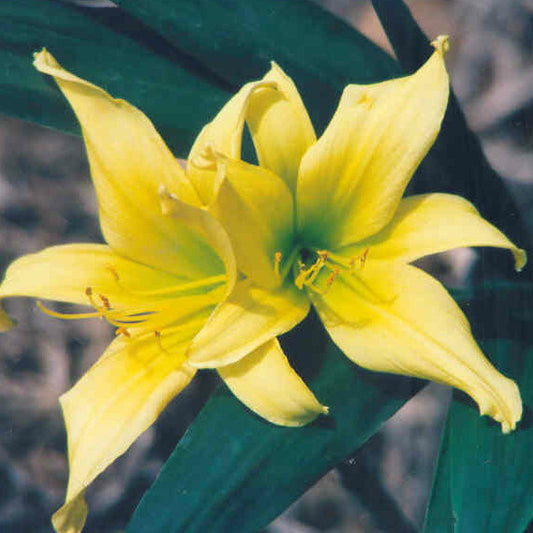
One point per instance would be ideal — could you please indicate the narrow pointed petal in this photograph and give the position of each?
(280, 126)
(255, 207)
(352, 179)
(250, 317)
(395, 318)
(221, 136)
(63, 273)
(114, 402)
(432, 223)
(129, 161)
(265, 382)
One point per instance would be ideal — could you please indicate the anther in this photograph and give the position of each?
(157, 335)
(363, 257)
(332, 277)
(323, 255)
(105, 301)
(113, 272)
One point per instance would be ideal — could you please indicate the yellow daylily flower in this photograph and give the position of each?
(167, 265)
(323, 222)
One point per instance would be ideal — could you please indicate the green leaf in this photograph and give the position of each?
(237, 39)
(483, 478)
(111, 49)
(226, 473)
(483, 482)
(234, 472)
(456, 162)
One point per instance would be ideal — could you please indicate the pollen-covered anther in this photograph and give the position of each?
(307, 276)
(322, 255)
(332, 277)
(113, 272)
(157, 335)
(361, 259)
(105, 301)
(92, 302)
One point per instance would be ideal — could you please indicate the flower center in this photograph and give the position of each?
(307, 265)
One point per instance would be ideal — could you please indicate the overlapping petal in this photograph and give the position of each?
(128, 160)
(267, 384)
(63, 273)
(432, 223)
(280, 126)
(114, 402)
(221, 136)
(249, 317)
(352, 179)
(392, 317)
(255, 207)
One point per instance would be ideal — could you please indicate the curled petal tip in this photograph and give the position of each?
(41, 57)
(520, 259)
(441, 44)
(511, 414)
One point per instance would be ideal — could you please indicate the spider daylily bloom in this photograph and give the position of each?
(324, 222)
(166, 266)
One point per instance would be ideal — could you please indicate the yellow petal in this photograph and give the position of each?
(395, 318)
(280, 126)
(432, 223)
(255, 207)
(247, 319)
(114, 402)
(129, 161)
(265, 382)
(352, 179)
(70, 518)
(64, 272)
(222, 136)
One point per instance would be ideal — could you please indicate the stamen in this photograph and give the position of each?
(114, 273)
(105, 302)
(363, 257)
(89, 294)
(122, 331)
(331, 278)
(351, 262)
(175, 289)
(277, 262)
(157, 334)
(67, 316)
(307, 276)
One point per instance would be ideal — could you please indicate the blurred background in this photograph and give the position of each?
(46, 198)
